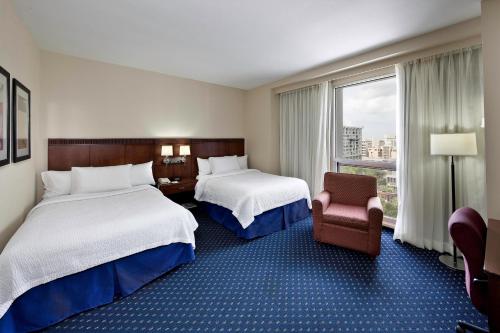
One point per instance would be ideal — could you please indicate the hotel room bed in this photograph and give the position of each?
(252, 203)
(76, 252)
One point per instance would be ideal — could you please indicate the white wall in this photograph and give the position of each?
(20, 56)
(490, 22)
(90, 99)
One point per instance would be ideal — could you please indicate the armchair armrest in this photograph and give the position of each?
(319, 206)
(375, 209)
(375, 218)
(321, 202)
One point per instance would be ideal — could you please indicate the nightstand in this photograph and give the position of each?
(184, 185)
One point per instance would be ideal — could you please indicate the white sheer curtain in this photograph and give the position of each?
(305, 134)
(437, 95)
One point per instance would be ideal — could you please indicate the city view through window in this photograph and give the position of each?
(367, 139)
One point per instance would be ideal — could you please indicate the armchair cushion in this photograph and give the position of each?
(347, 215)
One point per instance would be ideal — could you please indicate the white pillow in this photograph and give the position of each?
(243, 162)
(142, 174)
(56, 183)
(223, 164)
(203, 166)
(101, 179)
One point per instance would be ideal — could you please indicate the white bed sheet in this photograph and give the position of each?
(248, 193)
(69, 234)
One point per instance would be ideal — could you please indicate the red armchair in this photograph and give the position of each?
(348, 213)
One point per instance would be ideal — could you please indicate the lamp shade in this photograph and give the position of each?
(185, 150)
(454, 144)
(167, 151)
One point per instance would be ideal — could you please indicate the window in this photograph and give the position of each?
(365, 123)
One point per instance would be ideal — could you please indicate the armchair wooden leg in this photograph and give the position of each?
(463, 327)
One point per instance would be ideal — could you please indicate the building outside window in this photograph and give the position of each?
(352, 142)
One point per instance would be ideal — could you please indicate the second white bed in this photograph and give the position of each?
(249, 193)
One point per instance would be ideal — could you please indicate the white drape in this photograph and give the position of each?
(305, 134)
(437, 95)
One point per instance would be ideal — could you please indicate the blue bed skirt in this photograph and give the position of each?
(264, 224)
(52, 302)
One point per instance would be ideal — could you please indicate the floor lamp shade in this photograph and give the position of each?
(454, 144)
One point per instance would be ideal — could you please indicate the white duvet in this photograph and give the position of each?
(248, 193)
(69, 234)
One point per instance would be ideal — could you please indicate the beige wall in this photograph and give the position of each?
(262, 129)
(19, 55)
(491, 58)
(90, 99)
(262, 107)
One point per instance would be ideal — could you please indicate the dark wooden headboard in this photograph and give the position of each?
(66, 153)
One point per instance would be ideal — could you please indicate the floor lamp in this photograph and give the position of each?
(453, 144)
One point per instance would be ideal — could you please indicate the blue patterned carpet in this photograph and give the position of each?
(286, 282)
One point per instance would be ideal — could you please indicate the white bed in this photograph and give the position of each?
(71, 233)
(249, 192)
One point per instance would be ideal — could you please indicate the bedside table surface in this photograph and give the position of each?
(184, 185)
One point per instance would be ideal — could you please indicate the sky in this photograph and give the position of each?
(371, 106)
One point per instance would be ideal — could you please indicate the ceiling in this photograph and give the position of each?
(237, 43)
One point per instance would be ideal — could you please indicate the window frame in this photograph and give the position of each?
(337, 126)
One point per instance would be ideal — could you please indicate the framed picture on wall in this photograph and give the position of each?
(4, 117)
(21, 106)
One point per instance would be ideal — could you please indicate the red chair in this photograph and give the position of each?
(468, 231)
(348, 213)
